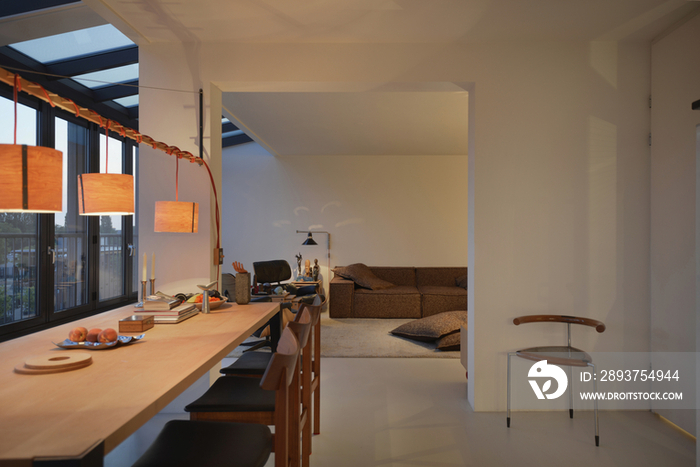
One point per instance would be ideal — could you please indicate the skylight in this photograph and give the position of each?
(128, 101)
(98, 79)
(74, 44)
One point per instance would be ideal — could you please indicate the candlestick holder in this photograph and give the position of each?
(153, 286)
(143, 295)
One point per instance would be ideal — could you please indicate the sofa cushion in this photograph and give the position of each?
(444, 277)
(433, 327)
(436, 300)
(436, 290)
(397, 275)
(462, 281)
(395, 290)
(362, 276)
(449, 342)
(395, 302)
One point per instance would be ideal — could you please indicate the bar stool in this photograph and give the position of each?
(240, 399)
(184, 443)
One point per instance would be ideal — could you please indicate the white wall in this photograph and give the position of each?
(182, 260)
(380, 210)
(561, 173)
(675, 84)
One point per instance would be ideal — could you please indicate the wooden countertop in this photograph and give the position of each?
(65, 414)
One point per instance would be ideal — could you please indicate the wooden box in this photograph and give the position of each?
(136, 323)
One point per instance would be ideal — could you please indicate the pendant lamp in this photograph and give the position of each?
(105, 194)
(176, 216)
(31, 177)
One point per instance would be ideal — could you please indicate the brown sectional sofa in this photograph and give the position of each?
(417, 293)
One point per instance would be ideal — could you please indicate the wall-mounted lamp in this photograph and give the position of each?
(310, 241)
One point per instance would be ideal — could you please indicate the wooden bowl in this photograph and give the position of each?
(213, 305)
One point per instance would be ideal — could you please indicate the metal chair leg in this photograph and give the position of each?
(595, 405)
(571, 392)
(510, 354)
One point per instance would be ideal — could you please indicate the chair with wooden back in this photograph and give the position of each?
(201, 441)
(248, 400)
(564, 355)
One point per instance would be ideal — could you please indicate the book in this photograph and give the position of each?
(178, 310)
(160, 302)
(175, 319)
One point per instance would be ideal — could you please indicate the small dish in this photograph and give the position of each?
(213, 305)
(121, 340)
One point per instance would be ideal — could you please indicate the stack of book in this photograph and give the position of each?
(166, 311)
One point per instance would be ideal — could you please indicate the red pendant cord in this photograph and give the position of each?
(109, 123)
(16, 88)
(177, 170)
(218, 221)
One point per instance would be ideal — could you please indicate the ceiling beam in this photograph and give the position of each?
(96, 62)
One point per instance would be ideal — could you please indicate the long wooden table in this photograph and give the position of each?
(93, 409)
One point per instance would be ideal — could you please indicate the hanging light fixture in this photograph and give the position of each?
(106, 194)
(32, 176)
(176, 216)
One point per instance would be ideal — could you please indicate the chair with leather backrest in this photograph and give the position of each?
(564, 355)
(273, 271)
(244, 399)
(254, 363)
(184, 443)
(315, 364)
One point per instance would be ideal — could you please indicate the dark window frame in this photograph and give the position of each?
(47, 318)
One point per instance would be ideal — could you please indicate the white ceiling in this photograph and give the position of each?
(353, 123)
(376, 123)
(393, 21)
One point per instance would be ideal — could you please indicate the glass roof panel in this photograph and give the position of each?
(73, 44)
(119, 74)
(128, 101)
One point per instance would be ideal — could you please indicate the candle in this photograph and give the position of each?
(145, 260)
(153, 267)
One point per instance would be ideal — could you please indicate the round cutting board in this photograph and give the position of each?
(54, 363)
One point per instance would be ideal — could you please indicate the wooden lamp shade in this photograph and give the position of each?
(176, 216)
(105, 194)
(31, 179)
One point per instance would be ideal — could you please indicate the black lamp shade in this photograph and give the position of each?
(309, 240)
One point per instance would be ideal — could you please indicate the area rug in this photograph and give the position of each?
(365, 338)
(371, 338)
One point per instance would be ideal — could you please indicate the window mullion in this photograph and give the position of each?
(94, 222)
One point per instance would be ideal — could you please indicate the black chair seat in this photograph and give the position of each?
(184, 443)
(234, 394)
(250, 363)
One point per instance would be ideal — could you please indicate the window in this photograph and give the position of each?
(56, 268)
(19, 232)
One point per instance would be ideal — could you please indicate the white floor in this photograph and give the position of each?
(413, 412)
